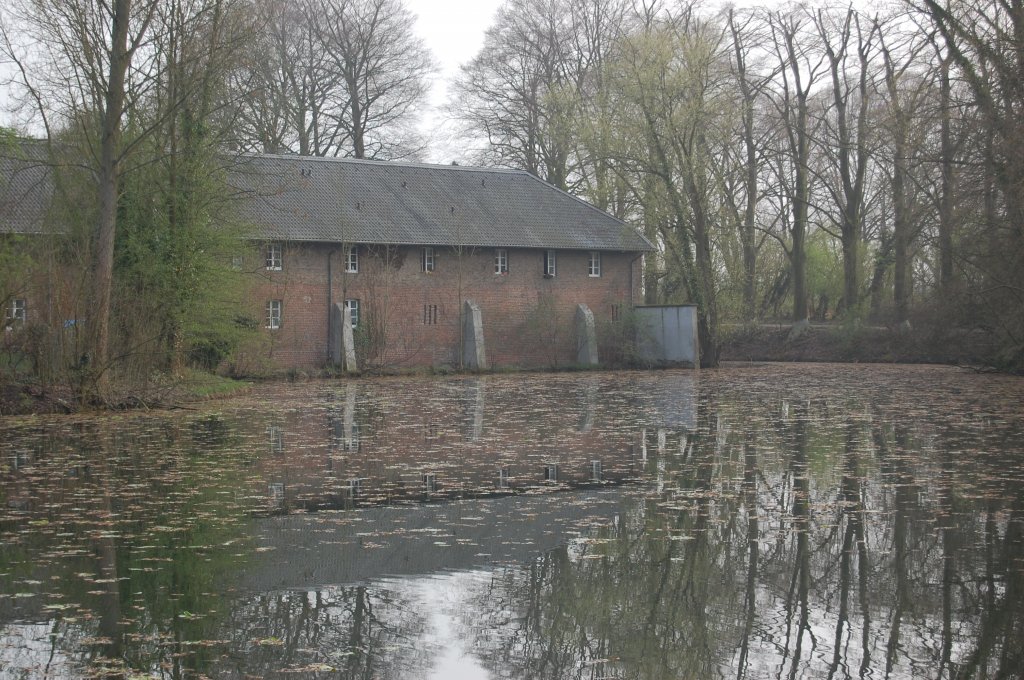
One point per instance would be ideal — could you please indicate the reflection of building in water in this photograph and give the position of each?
(475, 400)
(449, 439)
(343, 425)
(588, 397)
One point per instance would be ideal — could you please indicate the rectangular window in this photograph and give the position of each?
(236, 262)
(551, 472)
(429, 482)
(616, 313)
(429, 315)
(503, 482)
(273, 314)
(275, 257)
(18, 310)
(501, 261)
(276, 437)
(549, 263)
(352, 261)
(594, 268)
(595, 470)
(352, 307)
(428, 259)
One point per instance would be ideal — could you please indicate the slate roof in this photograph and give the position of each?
(26, 189)
(302, 198)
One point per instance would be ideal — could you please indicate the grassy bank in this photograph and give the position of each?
(22, 395)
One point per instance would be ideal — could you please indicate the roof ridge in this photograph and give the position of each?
(374, 162)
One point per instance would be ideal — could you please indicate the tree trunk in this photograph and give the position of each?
(108, 190)
(747, 228)
(798, 256)
(902, 236)
(747, 234)
(851, 269)
(358, 141)
(947, 154)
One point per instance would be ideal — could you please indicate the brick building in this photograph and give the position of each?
(402, 246)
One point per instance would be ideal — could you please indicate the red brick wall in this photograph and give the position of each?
(528, 319)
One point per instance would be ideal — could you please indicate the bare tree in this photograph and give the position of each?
(982, 39)
(800, 60)
(908, 84)
(332, 78)
(526, 92)
(86, 50)
(285, 92)
(383, 69)
(848, 47)
(673, 115)
(746, 44)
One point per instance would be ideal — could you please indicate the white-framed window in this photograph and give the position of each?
(274, 257)
(595, 470)
(551, 472)
(549, 263)
(18, 310)
(350, 442)
(428, 262)
(352, 307)
(352, 260)
(275, 435)
(594, 267)
(503, 479)
(501, 261)
(237, 262)
(273, 320)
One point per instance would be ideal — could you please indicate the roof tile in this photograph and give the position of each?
(297, 198)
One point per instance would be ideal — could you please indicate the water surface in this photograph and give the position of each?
(779, 521)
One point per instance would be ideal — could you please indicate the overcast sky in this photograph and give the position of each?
(454, 31)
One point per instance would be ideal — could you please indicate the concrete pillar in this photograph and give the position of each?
(473, 355)
(586, 337)
(343, 347)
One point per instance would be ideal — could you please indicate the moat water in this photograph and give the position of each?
(765, 521)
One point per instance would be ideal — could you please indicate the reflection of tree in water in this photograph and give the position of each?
(127, 542)
(353, 632)
(791, 542)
